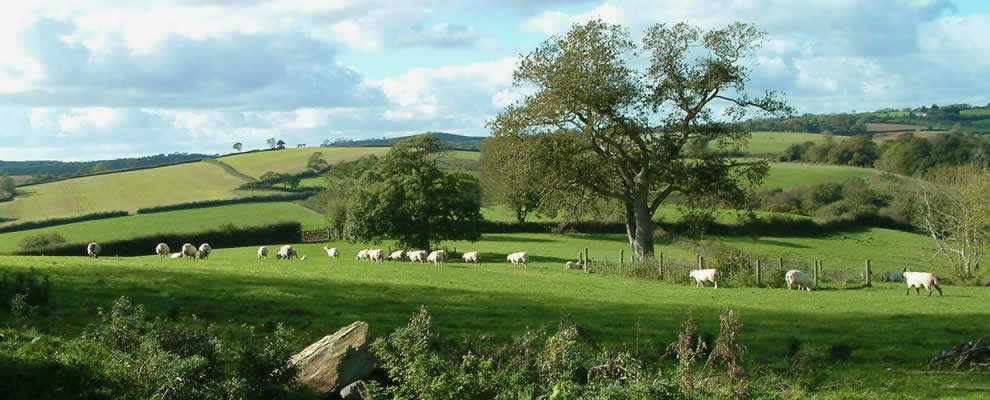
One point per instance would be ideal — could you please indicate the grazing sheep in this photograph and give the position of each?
(397, 255)
(520, 258)
(437, 257)
(286, 253)
(416, 256)
(304, 257)
(262, 252)
(703, 275)
(188, 250)
(361, 255)
(331, 252)
(376, 255)
(204, 251)
(798, 277)
(176, 255)
(890, 276)
(572, 265)
(919, 279)
(472, 257)
(162, 250)
(93, 250)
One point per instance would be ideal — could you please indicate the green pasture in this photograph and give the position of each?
(884, 328)
(788, 175)
(465, 155)
(200, 219)
(126, 191)
(777, 142)
(976, 112)
(293, 160)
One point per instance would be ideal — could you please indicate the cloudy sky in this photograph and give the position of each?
(112, 78)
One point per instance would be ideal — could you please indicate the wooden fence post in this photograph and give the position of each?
(869, 282)
(622, 257)
(780, 263)
(821, 269)
(758, 278)
(587, 261)
(702, 262)
(660, 264)
(816, 273)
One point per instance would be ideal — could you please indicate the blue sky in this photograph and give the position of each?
(106, 79)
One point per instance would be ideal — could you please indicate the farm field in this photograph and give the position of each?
(777, 142)
(125, 191)
(293, 160)
(976, 112)
(883, 127)
(315, 297)
(788, 175)
(249, 214)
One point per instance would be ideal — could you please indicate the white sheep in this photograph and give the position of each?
(204, 251)
(798, 277)
(416, 256)
(176, 255)
(703, 275)
(917, 280)
(286, 253)
(93, 250)
(188, 250)
(331, 252)
(573, 265)
(304, 257)
(520, 258)
(472, 257)
(262, 252)
(397, 255)
(162, 250)
(376, 255)
(437, 257)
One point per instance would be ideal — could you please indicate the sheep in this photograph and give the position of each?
(162, 250)
(331, 252)
(573, 265)
(188, 250)
(262, 252)
(397, 255)
(176, 255)
(286, 253)
(472, 257)
(376, 255)
(416, 256)
(919, 279)
(304, 257)
(798, 277)
(890, 276)
(520, 258)
(362, 255)
(702, 275)
(437, 257)
(204, 251)
(93, 250)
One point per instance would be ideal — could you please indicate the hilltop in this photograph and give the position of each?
(454, 141)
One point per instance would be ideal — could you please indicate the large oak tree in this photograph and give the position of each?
(606, 128)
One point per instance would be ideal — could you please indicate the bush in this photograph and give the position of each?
(41, 241)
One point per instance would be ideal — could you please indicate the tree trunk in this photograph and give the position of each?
(639, 227)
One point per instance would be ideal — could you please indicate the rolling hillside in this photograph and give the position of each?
(762, 143)
(293, 160)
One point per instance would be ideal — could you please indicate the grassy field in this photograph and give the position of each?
(124, 191)
(250, 214)
(977, 112)
(788, 175)
(884, 328)
(293, 160)
(776, 142)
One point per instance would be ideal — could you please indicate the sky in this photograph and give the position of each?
(99, 79)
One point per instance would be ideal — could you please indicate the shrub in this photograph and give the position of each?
(41, 241)
(35, 287)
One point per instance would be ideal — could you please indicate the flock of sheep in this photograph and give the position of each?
(916, 280)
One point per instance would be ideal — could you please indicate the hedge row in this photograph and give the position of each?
(214, 203)
(225, 237)
(24, 226)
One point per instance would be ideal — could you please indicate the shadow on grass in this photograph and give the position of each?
(495, 237)
(780, 243)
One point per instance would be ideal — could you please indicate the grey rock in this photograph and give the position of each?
(336, 361)
(354, 391)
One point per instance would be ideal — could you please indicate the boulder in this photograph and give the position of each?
(354, 391)
(336, 360)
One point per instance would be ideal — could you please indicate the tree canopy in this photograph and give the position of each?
(604, 128)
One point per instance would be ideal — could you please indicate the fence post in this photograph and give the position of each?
(780, 263)
(660, 261)
(587, 261)
(869, 282)
(821, 269)
(702, 262)
(622, 257)
(816, 273)
(758, 278)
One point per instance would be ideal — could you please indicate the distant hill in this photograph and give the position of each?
(952, 117)
(48, 170)
(456, 142)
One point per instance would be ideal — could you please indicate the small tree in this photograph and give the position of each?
(316, 163)
(238, 146)
(509, 177)
(7, 187)
(272, 142)
(408, 198)
(955, 211)
(280, 144)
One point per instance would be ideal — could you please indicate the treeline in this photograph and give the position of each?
(907, 155)
(883, 201)
(223, 237)
(932, 117)
(451, 141)
(240, 200)
(7, 187)
(48, 170)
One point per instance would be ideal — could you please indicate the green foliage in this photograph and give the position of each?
(41, 241)
(7, 187)
(217, 203)
(910, 155)
(316, 163)
(30, 225)
(859, 151)
(509, 177)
